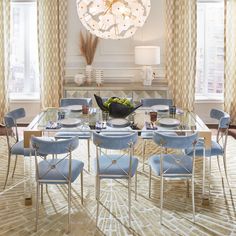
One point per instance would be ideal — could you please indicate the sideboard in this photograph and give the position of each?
(136, 91)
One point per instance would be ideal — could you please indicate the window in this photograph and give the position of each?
(24, 79)
(210, 50)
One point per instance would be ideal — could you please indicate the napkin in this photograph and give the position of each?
(53, 125)
(100, 125)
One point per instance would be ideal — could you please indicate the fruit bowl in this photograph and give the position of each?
(116, 109)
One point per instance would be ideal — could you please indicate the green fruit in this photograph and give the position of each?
(106, 104)
(110, 100)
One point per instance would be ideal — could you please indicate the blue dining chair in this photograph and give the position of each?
(115, 166)
(171, 166)
(14, 144)
(218, 146)
(82, 135)
(75, 101)
(62, 170)
(149, 102)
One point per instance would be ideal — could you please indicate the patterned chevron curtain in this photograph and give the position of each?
(52, 26)
(181, 40)
(230, 59)
(4, 55)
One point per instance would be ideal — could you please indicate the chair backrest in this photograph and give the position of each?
(47, 147)
(116, 141)
(223, 126)
(10, 120)
(75, 101)
(148, 102)
(176, 142)
(11, 117)
(222, 117)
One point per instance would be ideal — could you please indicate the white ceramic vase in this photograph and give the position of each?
(79, 79)
(89, 74)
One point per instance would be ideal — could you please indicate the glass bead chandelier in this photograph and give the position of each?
(113, 19)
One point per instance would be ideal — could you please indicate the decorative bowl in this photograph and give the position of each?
(116, 110)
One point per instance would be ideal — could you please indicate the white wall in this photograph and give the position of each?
(116, 57)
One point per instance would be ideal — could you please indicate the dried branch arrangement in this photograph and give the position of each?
(88, 46)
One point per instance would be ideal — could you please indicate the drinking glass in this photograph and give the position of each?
(153, 116)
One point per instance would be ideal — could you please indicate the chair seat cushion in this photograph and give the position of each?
(115, 166)
(172, 164)
(216, 149)
(18, 149)
(58, 169)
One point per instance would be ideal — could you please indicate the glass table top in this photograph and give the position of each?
(58, 119)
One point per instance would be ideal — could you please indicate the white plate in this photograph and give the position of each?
(160, 108)
(70, 122)
(118, 123)
(169, 122)
(75, 107)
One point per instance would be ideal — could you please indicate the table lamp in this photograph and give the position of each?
(147, 56)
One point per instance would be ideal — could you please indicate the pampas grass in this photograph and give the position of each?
(88, 46)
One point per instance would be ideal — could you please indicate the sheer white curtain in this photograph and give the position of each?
(52, 26)
(230, 59)
(4, 55)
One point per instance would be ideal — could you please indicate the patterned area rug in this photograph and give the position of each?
(218, 218)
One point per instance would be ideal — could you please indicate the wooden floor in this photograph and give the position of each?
(218, 218)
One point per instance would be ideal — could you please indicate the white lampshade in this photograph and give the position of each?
(147, 55)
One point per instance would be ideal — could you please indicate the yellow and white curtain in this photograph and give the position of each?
(230, 59)
(52, 26)
(181, 30)
(4, 55)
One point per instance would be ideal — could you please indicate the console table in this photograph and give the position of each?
(136, 91)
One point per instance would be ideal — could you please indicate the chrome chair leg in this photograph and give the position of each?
(209, 178)
(37, 207)
(162, 193)
(193, 199)
(136, 178)
(88, 155)
(69, 206)
(203, 173)
(97, 197)
(82, 188)
(8, 169)
(218, 162)
(226, 174)
(42, 193)
(129, 200)
(14, 168)
(150, 181)
(187, 183)
(143, 152)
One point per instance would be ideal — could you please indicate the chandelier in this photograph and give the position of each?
(113, 19)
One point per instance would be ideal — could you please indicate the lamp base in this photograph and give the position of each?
(147, 75)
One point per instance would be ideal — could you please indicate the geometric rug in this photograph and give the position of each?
(217, 218)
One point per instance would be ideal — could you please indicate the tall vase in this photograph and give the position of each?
(89, 74)
(99, 77)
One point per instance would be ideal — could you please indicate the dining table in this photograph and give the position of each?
(53, 120)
